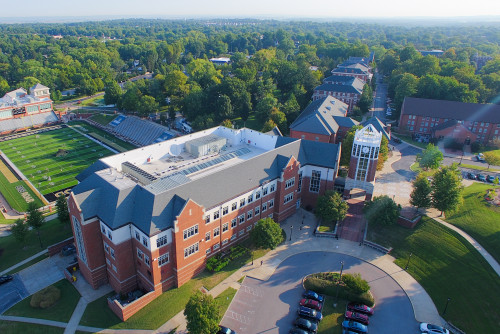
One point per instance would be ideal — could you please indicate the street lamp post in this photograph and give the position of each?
(461, 157)
(446, 306)
(252, 258)
(338, 284)
(291, 230)
(407, 263)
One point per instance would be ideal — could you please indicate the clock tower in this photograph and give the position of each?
(364, 158)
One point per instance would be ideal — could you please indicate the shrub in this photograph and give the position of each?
(216, 263)
(476, 147)
(355, 283)
(46, 297)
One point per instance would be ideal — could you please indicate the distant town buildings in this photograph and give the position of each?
(436, 53)
(220, 60)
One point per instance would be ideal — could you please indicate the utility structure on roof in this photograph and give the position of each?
(364, 158)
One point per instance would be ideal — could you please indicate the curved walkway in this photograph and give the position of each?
(401, 185)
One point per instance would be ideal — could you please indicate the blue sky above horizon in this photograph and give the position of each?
(252, 8)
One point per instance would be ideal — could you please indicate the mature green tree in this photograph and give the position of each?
(345, 156)
(268, 126)
(383, 153)
(447, 189)
(19, 230)
(112, 93)
(279, 118)
(35, 220)
(202, 314)
(330, 207)
(4, 86)
(62, 209)
(491, 159)
(382, 210)
(265, 106)
(266, 234)
(147, 105)
(420, 196)
(227, 123)
(407, 86)
(223, 107)
(366, 99)
(431, 157)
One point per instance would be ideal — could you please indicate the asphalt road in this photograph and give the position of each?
(11, 293)
(271, 306)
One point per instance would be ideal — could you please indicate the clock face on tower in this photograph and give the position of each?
(366, 149)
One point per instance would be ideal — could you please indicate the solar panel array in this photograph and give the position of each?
(138, 171)
(220, 159)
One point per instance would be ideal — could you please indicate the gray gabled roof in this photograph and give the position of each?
(462, 111)
(318, 117)
(356, 87)
(377, 124)
(348, 70)
(339, 78)
(345, 122)
(152, 212)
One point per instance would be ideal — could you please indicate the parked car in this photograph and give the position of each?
(306, 324)
(309, 313)
(68, 250)
(6, 278)
(480, 157)
(471, 176)
(354, 326)
(311, 303)
(309, 294)
(433, 329)
(490, 178)
(298, 331)
(481, 177)
(360, 308)
(225, 330)
(396, 140)
(359, 317)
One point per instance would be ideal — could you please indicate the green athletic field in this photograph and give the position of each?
(52, 159)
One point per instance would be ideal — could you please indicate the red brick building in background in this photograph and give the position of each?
(151, 217)
(465, 122)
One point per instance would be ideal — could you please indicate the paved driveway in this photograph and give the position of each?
(11, 293)
(270, 306)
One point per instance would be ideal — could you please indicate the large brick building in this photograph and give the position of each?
(151, 217)
(348, 91)
(324, 120)
(465, 122)
(20, 110)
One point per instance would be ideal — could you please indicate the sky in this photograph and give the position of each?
(250, 8)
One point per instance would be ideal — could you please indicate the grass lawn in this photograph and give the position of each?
(61, 311)
(87, 128)
(410, 141)
(6, 221)
(447, 266)
(14, 197)
(483, 168)
(478, 218)
(332, 316)
(251, 123)
(12, 252)
(12, 327)
(52, 159)
(327, 227)
(224, 299)
(94, 101)
(29, 264)
(103, 119)
(166, 305)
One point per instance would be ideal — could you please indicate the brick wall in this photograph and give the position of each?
(56, 248)
(312, 136)
(125, 312)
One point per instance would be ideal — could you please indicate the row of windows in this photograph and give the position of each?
(163, 259)
(243, 202)
(315, 181)
(188, 233)
(191, 250)
(109, 250)
(161, 241)
(290, 183)
(143, 257)
(225, 241)
(144, 239)
(288, 198)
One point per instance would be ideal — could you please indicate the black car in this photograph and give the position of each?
(6, 278)
(306, 324)
(471, 176)
(225, 330)
(309, 294)
(309, 313)
(396, 140)
(298, 331)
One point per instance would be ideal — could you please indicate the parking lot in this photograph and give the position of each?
(12, 292)
(271, 306)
